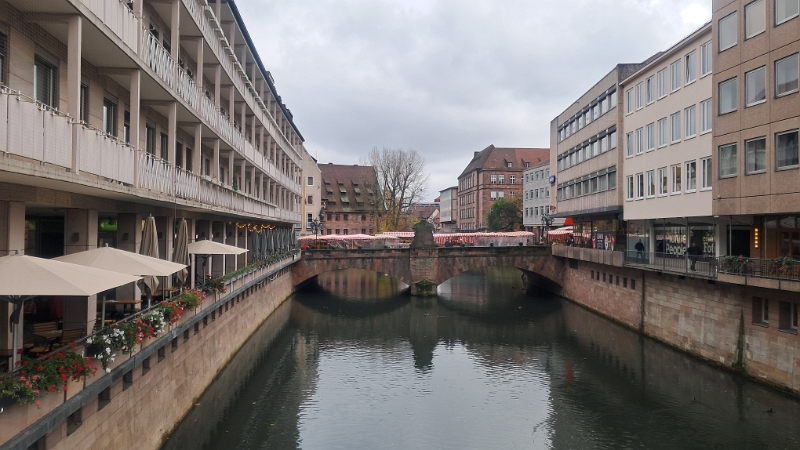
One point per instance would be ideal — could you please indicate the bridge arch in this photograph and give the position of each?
(315, 262)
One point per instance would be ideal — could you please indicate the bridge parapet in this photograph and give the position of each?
(424, 269)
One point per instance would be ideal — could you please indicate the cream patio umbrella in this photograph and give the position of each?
(149, 247)
(122, 261)
(23, 277)
(182, 251)
(208, 248)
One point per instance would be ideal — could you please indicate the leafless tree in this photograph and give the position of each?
(403, 181)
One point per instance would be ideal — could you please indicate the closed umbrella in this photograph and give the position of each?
(23, 277)
(182, 251)
(149, 247)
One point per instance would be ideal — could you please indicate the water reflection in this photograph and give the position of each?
(482, 366)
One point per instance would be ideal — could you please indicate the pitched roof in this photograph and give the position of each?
(349, 188)
(498, 158)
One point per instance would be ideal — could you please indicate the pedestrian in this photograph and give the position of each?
(694, 253)
(639, 251)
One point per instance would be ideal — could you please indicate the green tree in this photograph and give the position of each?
(505, 215)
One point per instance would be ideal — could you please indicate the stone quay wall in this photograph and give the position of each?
(145, 396)
(715, 321)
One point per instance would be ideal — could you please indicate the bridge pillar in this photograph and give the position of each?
(424, 265)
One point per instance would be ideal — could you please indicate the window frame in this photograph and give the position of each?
(796, 150)
(677, 181)
(663, 132)
(787, 18)
(675, 119)
(735, 91)
(747, 156)
(686, 175)
(629, 195)
(690, 67)
(734, 156)
(706, 59)
(746, 8)
(797, 78)
(640, 186)
(662, 82)
(731, 16)
(747, 75)
(663, 181)
(629, 143)
(676, 75)
(650, 184)
(706, 174)
(706, 115)
(649, 90)
(690, 118)
(640, 141)
(650, 137)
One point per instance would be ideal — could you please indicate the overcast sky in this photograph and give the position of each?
(448, 77)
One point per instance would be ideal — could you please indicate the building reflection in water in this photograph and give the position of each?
(481, 366)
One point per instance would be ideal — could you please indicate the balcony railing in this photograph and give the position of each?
(118, 17)
(31, 130)
(783, 268)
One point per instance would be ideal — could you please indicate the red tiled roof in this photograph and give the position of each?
(498, 158)
(349, 188)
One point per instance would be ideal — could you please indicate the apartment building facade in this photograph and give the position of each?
(756, 123)
(585, 161)
(111, 111)
(536, 196)
(492, 174)
(313, 204)
(352, 199)
(448, 209)
(668, 116)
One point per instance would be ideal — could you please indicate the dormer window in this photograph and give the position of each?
(509, 163)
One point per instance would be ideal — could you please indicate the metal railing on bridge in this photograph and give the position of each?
(783, 268)
(694, 265)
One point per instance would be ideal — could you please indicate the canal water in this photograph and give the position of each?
(355, 365)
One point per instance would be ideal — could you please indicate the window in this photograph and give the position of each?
(727, 96)
(84, 109)
(3, 53)
(109, 117)
(677, 75)
(755, 86)
(629, 101)
(640, 96)
(651, 136)
(640, 141)
(755, 18)
(676, 179)
(501, 179)
(639, 186)
(785, 10)
(662, 83)
(676, 126)
(786, 149)
(727, 32)
(727, 161)
(45, 82)
(663, 137)
(150, 139)
(690, 61)
(755, 155)
(705, 59)
(760, 310)
(663, 185)
(612, 100)
(310, 181)
(493, 179)
(629, 182)
(164, 146)
(650, 90)
(690, 115)
(691, 176)
(512, 179)
(629, 143)
(705, 167)
(705, 116)
(786, 75)
(612, 140)
(651, 183)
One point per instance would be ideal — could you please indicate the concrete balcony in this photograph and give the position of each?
(44, 145)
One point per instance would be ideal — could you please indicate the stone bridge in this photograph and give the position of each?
(425, 269)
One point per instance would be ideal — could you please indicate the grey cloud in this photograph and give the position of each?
(447, 77)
